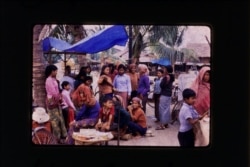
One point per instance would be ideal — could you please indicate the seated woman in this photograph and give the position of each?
(88, 113)
(106, 115)
(122, 116)
(138, 125)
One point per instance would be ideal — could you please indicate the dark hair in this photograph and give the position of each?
(169, 68)
(170, 72)
(49, 70)
(112, 67)
(105, 99)
(208, 71)
(121, 66)
(187, 93)
(68, 69)
(81, 73)
(87, 78)
(103, 68)
(64, 83)
(160, 70)
(86, 67)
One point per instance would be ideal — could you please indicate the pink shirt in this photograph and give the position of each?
(66, 100)
(51, 87)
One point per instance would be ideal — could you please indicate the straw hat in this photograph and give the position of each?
(39, 115)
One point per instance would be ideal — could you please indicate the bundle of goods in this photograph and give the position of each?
(92, 135)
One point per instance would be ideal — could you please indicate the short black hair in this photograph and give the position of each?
(122, 66)
(160, 70)
(169, 68)
(106, 98)
(87, 78)
(64, 83)
(187, 93)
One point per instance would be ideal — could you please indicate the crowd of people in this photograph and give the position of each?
(71, 104)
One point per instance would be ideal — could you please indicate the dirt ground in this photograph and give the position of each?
(161, 138)
(166, 137)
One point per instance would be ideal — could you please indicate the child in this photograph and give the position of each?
(134, 77)
(188, 117)
(106, 115)
(138, 125)
(68, 108)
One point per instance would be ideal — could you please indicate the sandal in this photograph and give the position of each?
(160, 128)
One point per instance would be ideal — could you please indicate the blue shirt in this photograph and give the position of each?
(144, 85)
(186, 111)
(157, 88)
(122, 83)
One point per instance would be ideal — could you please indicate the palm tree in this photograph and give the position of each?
(39, 64)
(69, 33)
(163, 40)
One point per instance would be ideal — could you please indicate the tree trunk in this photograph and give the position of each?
(38, 70)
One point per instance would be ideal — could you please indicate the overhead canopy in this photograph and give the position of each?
(50, 42)
(161, 61)
(100, 41)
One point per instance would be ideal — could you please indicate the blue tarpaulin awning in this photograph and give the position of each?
(161, 61)
(102, 40)
(50, 42)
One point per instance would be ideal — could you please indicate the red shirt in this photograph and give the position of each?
(105, 116)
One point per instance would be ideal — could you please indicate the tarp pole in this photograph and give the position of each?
(65, 61)
(130, 44)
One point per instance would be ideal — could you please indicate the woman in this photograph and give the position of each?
(80, 77)
(143, 85)
(53, 102)
(105, 83)
(201, 86)
(138, 125)
(112, 71)
(89, 110)
(122, 84)
(165, 97)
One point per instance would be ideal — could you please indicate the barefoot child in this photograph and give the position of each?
(106, 115)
